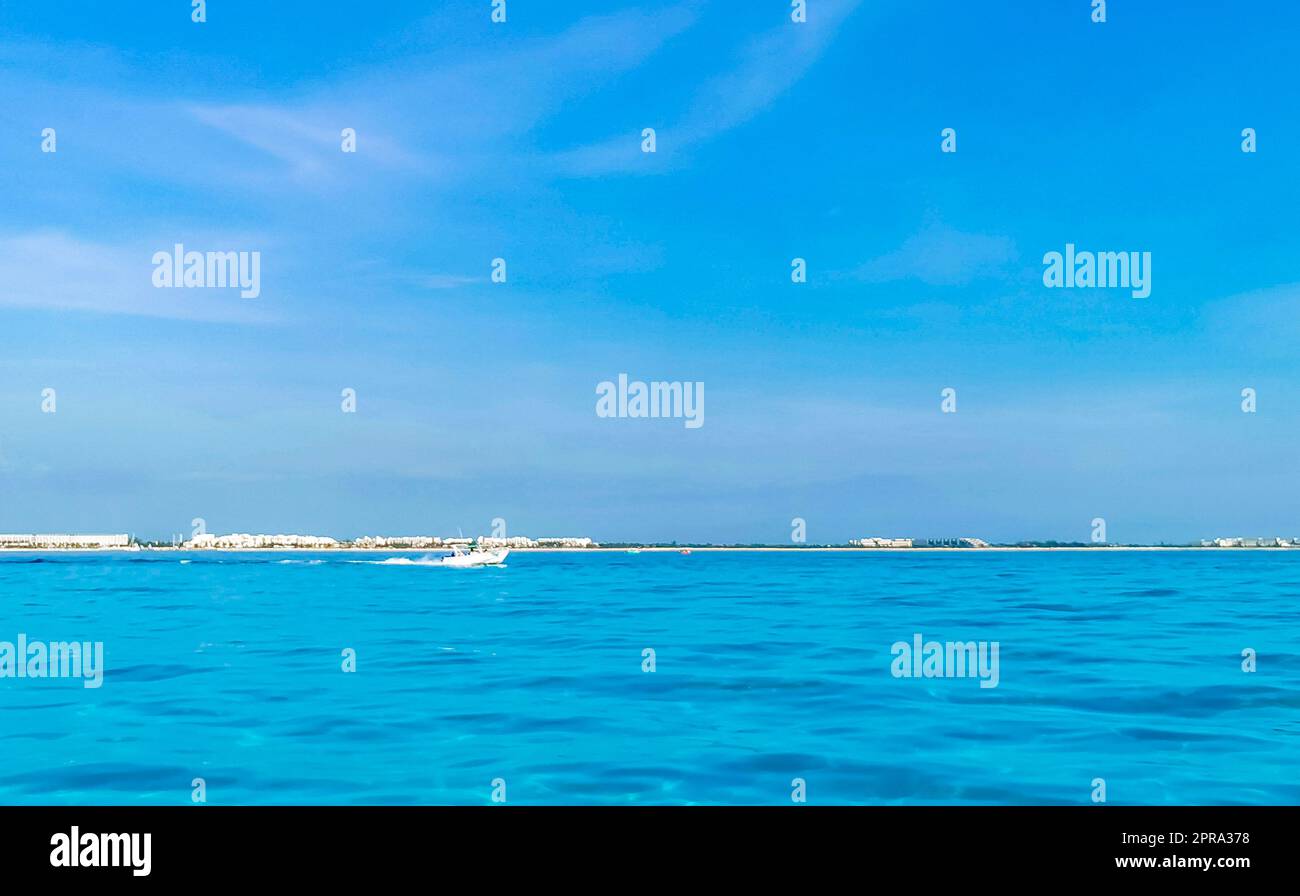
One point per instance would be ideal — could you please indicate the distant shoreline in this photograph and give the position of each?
(651, 549)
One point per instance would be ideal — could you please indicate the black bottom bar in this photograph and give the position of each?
(332, 845)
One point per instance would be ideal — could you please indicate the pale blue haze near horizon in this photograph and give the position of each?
(775, 141)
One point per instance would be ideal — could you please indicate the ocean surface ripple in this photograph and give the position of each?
(770, 666)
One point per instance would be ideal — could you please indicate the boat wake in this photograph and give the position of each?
(401, 561)
(457, 560)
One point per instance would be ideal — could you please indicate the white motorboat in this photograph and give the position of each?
(462, 558)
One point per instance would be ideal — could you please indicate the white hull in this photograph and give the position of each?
(464, 560)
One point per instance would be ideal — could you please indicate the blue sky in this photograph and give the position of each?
(775, 140)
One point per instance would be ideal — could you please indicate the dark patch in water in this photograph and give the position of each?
(152, 672)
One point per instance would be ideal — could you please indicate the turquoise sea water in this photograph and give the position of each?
(769, 666)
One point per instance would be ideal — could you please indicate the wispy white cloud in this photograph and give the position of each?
(449, 281)
(307, 141)
(51, 269)
(444, 120)
(942, 256)
(450, 125)
(1267, 320)
(764, 69)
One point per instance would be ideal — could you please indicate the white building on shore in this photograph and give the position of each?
(398, 541)
(246, 542)
(1273, 542)
(240, 541)
(514, 541)
(64, 541)
(521, 541)
(923, 543)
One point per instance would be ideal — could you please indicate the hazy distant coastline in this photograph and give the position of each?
(203, 542)
(656, 548)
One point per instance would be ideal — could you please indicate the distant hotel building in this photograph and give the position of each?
(566, 543)
(1250, 543)
(246, 542)
(519, 541)
(401, 541)
(514, 541)
(64, 541)
(919, 543)
(241, 541)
